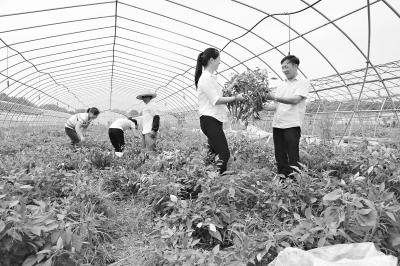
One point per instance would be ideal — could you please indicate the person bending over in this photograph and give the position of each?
(212, 108)
(116, 133)
(76, 126)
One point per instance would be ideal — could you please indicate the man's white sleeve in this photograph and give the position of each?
(304, 88)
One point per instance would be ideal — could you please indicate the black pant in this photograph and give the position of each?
(117, 139)
(75, 140)
(218, 145)
(286, 143)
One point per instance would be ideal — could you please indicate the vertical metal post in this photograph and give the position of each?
(334, 118)
(379, 115)
(312, 131)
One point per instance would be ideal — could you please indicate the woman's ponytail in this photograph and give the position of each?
(199, 68)
(202, 61)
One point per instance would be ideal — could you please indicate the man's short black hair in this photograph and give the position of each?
(292, 59)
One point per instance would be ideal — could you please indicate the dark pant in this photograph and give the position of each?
(218, 145)
(117, 139)
(75, 140)
(286, 143)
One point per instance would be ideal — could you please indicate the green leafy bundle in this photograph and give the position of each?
(254, 84)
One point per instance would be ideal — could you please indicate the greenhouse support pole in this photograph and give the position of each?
(379, 116)
(312, 131)
(113, 51)
(334, 118)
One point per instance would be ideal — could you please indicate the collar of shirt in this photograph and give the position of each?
(209, 74)
(295, 78)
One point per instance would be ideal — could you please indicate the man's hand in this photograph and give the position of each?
(82, 139)
(153, 134)
(271, 96)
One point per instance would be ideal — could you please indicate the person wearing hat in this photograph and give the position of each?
(151, 120)
(76, 126)
(116, 133)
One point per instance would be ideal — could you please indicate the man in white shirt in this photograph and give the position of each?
(290, 106)
(151, 120)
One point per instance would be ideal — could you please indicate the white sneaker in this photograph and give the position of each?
(119, 154)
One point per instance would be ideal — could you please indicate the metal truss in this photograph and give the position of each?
(113, 56)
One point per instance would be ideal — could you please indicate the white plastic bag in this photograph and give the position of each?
(357, 254)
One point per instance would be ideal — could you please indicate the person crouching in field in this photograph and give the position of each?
(151, 120)
(116, 133)
(76, 126)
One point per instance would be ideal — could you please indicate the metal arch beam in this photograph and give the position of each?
(36, 67)
(47, 93)
(202, 30)
(60, 35)
(75, 68)
(185, 36)
(285, 42)
(358, 48)
(17, 81)
(52, 9)
(391, 8)
(169, 59)
(98, 58)
(182, 22)
(244, 29)
(53, 24)
(291, 28)
(70, 51)
(73, 73)
(62, 44)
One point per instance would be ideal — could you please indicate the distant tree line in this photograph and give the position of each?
(23, 101)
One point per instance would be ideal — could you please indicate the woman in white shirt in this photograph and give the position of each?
(76, 126)
(212, 109)
(116, 133)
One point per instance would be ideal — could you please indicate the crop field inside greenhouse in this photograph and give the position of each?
(204, 133)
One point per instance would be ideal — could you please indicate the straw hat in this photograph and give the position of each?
(146, 92)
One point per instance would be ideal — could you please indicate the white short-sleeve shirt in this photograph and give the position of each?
(149, 111)
(209, 92)
(81, 118)
(291, 115)
(123, 124)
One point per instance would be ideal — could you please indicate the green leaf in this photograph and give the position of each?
(194, 242)
(308, 213)
(48, 262)
(334, 195)
(25, 187)
(30, 261)
(60, 244)
(394, 208)
(216, 249)
(387, 195)
(2, 226)
(321, 242)
(391, 216)
(52, 226)
(216, 234)
(13, 203)
(296, 216)
(54, 236)
(77, 242)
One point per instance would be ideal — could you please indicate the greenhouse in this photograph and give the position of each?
(61, 58)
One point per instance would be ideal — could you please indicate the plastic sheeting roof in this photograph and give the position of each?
(78, 54)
